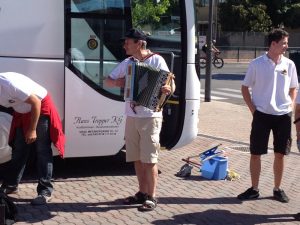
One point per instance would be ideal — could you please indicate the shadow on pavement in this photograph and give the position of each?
(225, 76)
(211, 217)
(51, 209)
(217, 217)
(204, 201)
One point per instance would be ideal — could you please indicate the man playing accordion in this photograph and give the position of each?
(143, 125)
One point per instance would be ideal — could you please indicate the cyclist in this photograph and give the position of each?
(214, 49)
(216, 61)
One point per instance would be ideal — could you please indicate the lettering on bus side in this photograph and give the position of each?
(95, 126)
(99, 122)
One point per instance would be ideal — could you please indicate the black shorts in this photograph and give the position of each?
(262, 124)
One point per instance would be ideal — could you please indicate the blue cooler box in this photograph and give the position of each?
(215, 168)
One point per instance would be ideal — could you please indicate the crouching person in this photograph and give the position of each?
(35, 123)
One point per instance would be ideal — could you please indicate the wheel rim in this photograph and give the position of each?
(218, 62)
(202, 63)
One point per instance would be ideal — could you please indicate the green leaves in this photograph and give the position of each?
(259, 15)
(244, 15)
(148, 12)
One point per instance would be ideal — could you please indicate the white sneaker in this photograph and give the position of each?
(41, 200)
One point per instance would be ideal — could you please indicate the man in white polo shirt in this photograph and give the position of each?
(143, 125)
(273, 81)
(35, 123)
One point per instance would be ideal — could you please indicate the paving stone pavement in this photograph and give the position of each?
(92, 191)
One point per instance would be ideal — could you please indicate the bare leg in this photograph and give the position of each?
(141, 176)
(278, 169)
(255, 168)
(151, 171)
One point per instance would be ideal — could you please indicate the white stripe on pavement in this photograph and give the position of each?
(230, 90)
(225, 94)
(213, 97)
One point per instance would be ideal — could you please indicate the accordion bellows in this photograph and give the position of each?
(143, 85)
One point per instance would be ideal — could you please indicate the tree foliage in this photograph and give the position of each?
(293, 16)
(243, 15)
(259, 15)
(283, 12)
(148, 11)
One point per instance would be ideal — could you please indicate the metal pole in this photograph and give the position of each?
(198, 55)
(207, 97)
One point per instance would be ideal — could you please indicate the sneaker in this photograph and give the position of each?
(138, 198)
(279, 195)
(41, 200)
(9, 189)
(250, 193)
(297, 216)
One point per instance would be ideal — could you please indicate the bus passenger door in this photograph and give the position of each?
(94, 113)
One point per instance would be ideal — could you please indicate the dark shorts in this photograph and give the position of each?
(262, 124)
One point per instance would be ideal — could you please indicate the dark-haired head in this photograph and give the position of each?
(276, 35)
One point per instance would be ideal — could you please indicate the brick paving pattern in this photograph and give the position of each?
(95, 195)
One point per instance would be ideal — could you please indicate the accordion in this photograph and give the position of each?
(143, 85)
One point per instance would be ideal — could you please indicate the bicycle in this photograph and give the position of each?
(217, 61)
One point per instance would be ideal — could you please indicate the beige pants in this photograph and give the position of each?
(142, 139)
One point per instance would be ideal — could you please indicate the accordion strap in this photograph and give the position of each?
(164, 98)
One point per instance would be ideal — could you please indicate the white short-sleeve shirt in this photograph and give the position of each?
(15, 88)
(156, 61)
(270, 84)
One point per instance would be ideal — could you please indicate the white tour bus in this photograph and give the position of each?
(71, 46)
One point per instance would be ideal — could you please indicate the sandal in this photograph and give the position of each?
(149, 205)
(138, 198)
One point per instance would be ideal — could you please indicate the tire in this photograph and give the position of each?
(202, 62)
(218, 62)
